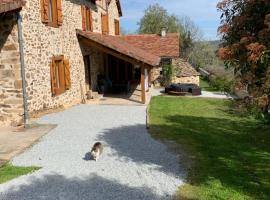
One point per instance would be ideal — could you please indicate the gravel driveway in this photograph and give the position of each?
(133, 165)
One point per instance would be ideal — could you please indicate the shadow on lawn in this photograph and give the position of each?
(237, 153)
(51, 187)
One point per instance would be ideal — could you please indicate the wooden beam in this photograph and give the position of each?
(143, 92)
(109, 51)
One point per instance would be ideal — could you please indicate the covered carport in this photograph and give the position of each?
(125, 55)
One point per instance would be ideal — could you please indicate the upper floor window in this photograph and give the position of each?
(87, 24)
(105, 23)
(51, 12)
(60, 75)
(117, 27)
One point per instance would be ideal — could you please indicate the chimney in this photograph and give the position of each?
(163, 32)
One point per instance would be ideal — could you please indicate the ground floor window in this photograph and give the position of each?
(60, 75)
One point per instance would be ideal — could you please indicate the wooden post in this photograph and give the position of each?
(143, 93)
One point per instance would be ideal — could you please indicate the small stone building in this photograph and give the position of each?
(184, 72)
(65, 47)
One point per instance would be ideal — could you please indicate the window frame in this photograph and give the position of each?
(59, 62)
(60, 75)
(52, 20)
(51, 12)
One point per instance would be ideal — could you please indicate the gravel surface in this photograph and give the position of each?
(133, 165)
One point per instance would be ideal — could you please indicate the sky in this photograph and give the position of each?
(202, 12)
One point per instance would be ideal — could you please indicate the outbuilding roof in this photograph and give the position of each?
(184, 69)
(167, 46)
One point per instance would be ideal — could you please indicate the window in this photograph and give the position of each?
(86, 19)
(51, 12)
(60, 75)
(117, 27)
(105, 24)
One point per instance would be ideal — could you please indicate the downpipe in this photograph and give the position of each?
(25, 115)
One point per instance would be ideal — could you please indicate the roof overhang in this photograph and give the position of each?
(118, 47)
(10, 5)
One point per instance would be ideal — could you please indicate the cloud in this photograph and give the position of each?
(197, 10)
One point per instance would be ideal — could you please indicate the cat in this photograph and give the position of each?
(96, 151)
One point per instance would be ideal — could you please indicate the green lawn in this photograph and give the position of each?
(204, 84)
(8, 172)
(230, 154)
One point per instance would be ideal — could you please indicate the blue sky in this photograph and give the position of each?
(202, 12)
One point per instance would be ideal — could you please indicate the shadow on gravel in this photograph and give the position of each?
(87, 156)
(53, 187)
(134, 143)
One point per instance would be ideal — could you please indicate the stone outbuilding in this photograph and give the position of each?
(184, 72)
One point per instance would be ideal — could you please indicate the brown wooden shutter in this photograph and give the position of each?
(44, 10)
(117, 27)
(53, 80)
(67, 74)
(90, 21)
(83, 9)
(59, 13)
(105, 24)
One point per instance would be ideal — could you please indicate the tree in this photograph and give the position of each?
(156, 17)
(245, 29)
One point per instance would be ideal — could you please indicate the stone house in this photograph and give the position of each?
(56, 52)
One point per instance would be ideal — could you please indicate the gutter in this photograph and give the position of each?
(20, 36)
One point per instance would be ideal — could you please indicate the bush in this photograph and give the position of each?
(167, 74)
(221, 84)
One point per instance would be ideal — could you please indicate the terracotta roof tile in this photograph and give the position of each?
(119, 45)
(153, 43)
(184, 69)
(10, 5)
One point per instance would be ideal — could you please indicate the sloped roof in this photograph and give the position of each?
(184, 69)
(167, 46)
(119, 45)
(10, 5)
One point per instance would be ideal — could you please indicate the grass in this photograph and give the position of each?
(204, 84)
(230, 154)
(8, 172)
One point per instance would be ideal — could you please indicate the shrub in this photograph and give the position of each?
(221, 84)
(167, 74)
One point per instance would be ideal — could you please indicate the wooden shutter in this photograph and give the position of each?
(53, 80)
(44, 10)
(67, 75)
(117, 27)
(90, 28)
(105, 24)
(59, 12)
(83, 9)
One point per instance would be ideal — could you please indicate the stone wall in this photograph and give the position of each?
(113, 14)
(156, 78)
(189, 79)
(155, 73)
(11, 101)
(42, 42)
